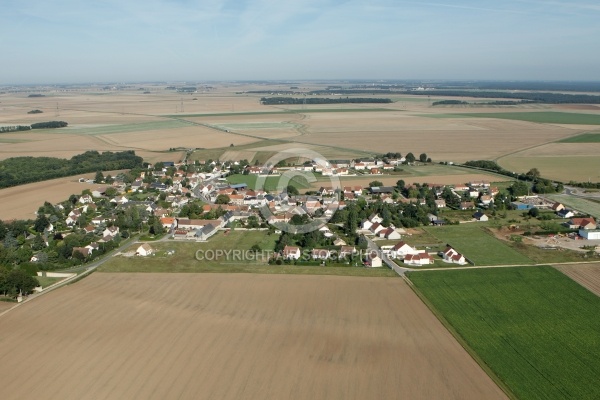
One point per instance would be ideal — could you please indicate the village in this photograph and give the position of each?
(358, 225)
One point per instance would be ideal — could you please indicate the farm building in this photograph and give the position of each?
(590, 234)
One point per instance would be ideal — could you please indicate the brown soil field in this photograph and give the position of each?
(22, 202)
(587, 275)
(221, 336)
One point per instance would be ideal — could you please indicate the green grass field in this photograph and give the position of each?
(535, 328)
(283, 111)
(544, 117)
(184, 260)
(140, 127)
(583, 205)
(583, 138)
(271, 183)
(478, 245)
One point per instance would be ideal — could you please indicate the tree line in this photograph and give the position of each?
(532, 97)
(320, 100)
(37, 125)
(20, 170)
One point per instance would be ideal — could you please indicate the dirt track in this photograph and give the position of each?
(220, 336)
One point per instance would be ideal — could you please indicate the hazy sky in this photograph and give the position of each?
(51, 41)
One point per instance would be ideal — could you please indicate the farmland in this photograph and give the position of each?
(542, 117)
(206, 336)
(583, 138)
(521, 323)
(587, 275)
(478, 245)
(22, 202)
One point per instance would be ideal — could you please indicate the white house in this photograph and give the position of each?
(401, 249)
(373, 260)
(291, 253)
(452, 256)
(144, 250)
(479, 216)
(418, 259)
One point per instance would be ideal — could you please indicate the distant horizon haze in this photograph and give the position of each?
(68, 41)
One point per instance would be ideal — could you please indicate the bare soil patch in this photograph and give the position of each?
(219, 336)
(587, 275)
(22, 202)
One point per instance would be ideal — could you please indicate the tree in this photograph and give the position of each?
(533, 173)
(41, 223)
(519, 188)
(352, 221)
(375, 184)
(362, 242)
(99, 177)
(410, 158)
(534, 212)
(292, 190)
(400, 184)
(222, 199)
(423, 157)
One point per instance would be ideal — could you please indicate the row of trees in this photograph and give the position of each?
(38, 125)
(321, 100)
(537, 97)
(20, 170)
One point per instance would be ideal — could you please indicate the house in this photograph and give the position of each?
(556, 207)
(144, 250)
(452, 256)
(479, 216)
(346, 251)
(390, 234)
(291, 252)
(373, 260)
(467, 205)
(376, 228)
(111, 231)
(441, 203)
(382, 190)
(565, 213)
(418, 259)
(205, 232)
(373, 219)
(81, 250)
(401, 249)
(168, 222)
(320, 254)
(86, 199)
(94, 246)
(581, 223)
(339, 242)
(486, 199)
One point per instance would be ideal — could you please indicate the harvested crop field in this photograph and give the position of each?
(22, 202)
(587, 275)
(220, 336)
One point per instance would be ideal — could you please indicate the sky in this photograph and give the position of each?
(76, 41)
